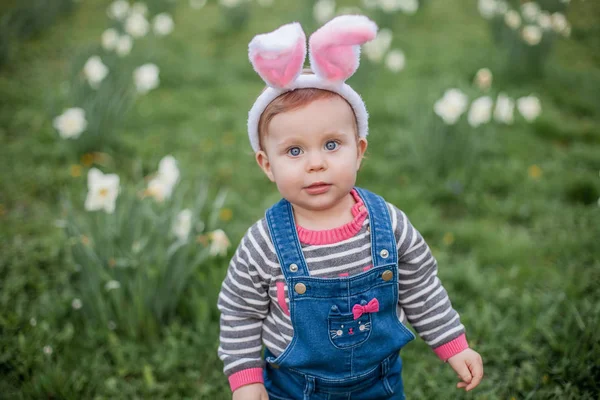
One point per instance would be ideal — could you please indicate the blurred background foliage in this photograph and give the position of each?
(509, 204)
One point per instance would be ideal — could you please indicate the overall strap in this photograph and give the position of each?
(280, 220)
(383, 241)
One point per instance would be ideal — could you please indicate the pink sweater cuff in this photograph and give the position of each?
(245, 377)
(452, 348)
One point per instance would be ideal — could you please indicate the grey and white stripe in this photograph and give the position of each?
(251, 316)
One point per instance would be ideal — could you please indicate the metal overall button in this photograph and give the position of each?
(293, 267)
(300, 288)
(387, 275)
(384, 253)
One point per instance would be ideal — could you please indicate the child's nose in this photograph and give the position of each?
(316, 162)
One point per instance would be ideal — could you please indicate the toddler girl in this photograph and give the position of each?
(327, 280)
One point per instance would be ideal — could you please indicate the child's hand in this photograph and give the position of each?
(469, 367)
(254, 391)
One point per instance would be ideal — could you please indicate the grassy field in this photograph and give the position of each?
(515, 230)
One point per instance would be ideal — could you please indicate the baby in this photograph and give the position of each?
(331, 275)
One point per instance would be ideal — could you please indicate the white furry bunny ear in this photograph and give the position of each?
(278, 56)
(335, 47)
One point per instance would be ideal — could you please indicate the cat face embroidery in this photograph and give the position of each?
(345, 331)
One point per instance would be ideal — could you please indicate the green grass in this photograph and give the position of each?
(520, 257)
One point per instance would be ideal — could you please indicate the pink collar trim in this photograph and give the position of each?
(330, 236)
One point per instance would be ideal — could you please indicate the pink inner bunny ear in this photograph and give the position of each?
(278, 56)
(335, 47)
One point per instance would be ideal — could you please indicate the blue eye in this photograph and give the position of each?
(331, 145)
(294, 151)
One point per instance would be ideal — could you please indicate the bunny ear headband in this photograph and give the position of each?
(334, 52)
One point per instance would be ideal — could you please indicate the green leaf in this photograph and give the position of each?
(149, 376)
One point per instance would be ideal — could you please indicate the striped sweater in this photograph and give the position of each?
(254, 304)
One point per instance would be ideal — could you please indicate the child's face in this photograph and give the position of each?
(316, 144)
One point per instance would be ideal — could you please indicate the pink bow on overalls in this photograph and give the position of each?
(371, 307)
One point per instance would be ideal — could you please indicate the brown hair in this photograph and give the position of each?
(294, 100)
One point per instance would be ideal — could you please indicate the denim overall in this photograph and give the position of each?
(332, 355)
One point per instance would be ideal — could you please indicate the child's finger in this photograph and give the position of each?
(463, 372)
(476, 369)
(461, 385)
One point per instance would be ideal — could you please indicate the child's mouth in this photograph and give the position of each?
(318, 188)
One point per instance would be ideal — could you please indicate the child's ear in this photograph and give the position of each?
(265, 165)
(361, 148)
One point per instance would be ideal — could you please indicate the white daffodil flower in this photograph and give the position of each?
(559, 23)
(71, 123)
(136, 25)
(376, 48)
(197, 4)
(395, 60)
(323, 10)
(102, 191)
(512, 19)
(544, 20)
(501, 7)
(118, 9)
(219, 243)
(480, 111)
(110, 37)
(76, 304)
(451, 106)
(124, 45)
(409, 7)
(139, 8)
(112, 285)
(163, 24)
(504, 109)
(95, 71)
(168, 170)
(159, 189)
(530, 10)
(532, 35)
(183, 224)
(487, 8)
(529, 107)
(161, 186)
(483, 79)
(146, 78)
